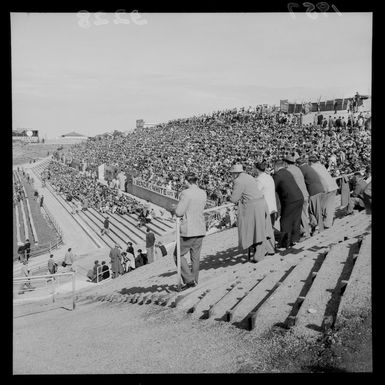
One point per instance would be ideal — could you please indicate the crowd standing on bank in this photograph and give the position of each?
(271, 168)
(209, 144)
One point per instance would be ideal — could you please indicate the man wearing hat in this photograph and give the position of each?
(299, 179)
(291, 199)
(191, 204)
(254, 223)
(330, 186)
(315, 189)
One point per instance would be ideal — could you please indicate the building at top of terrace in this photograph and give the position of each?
(336, 104)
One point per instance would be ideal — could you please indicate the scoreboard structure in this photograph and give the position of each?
(139, 123)
(25, 135)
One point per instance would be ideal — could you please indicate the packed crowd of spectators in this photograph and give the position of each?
(209, 144)
(90, 192)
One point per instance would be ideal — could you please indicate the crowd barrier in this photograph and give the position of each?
(155, 188)
(47, 285)
(154, 197)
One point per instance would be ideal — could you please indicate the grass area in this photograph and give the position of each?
(46, 233)
(347, 348)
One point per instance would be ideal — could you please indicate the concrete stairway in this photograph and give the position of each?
(123, 228)
(303, 289)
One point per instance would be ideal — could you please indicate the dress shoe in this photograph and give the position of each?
(188, 285)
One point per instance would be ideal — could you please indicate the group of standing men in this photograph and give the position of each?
(301, 193)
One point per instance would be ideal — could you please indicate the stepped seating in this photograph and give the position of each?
(357, 289)
(278, 291)
(122, 229)
(312, 311)
(308, 289)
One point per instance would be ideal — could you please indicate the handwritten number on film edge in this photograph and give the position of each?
(310, 8)
(323, 7)
(99, 20)
(84, 17)
(290, 7)
(118, 17)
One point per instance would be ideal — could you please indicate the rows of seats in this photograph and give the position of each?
(123, 228)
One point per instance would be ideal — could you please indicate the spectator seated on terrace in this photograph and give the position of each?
(128, 261)
(90, 192)
(105, 270)
(93, 273)
(356, 200)
(209, 144)
(141, 259)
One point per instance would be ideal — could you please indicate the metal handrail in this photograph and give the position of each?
(46, 277)
(53, 221)
(99, 273)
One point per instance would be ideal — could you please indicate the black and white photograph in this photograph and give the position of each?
(192, 191)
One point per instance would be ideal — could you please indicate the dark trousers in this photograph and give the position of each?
(194, 246)
(291, 222)
(273, 217)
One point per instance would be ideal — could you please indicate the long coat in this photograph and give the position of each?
(254, 223)
(116, 266)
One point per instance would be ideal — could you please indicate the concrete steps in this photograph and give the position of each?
(278, 291)
(134, 235)
(311, 314)
(122, 228)
(357, 293)
(286, 297)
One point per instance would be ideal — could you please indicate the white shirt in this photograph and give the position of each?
(266, 185)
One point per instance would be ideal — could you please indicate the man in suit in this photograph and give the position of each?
(330, 187)
(291, 199)
(299, 179)
(315, 189)
(191, 204)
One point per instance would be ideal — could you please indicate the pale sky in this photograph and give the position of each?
(97, 79)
